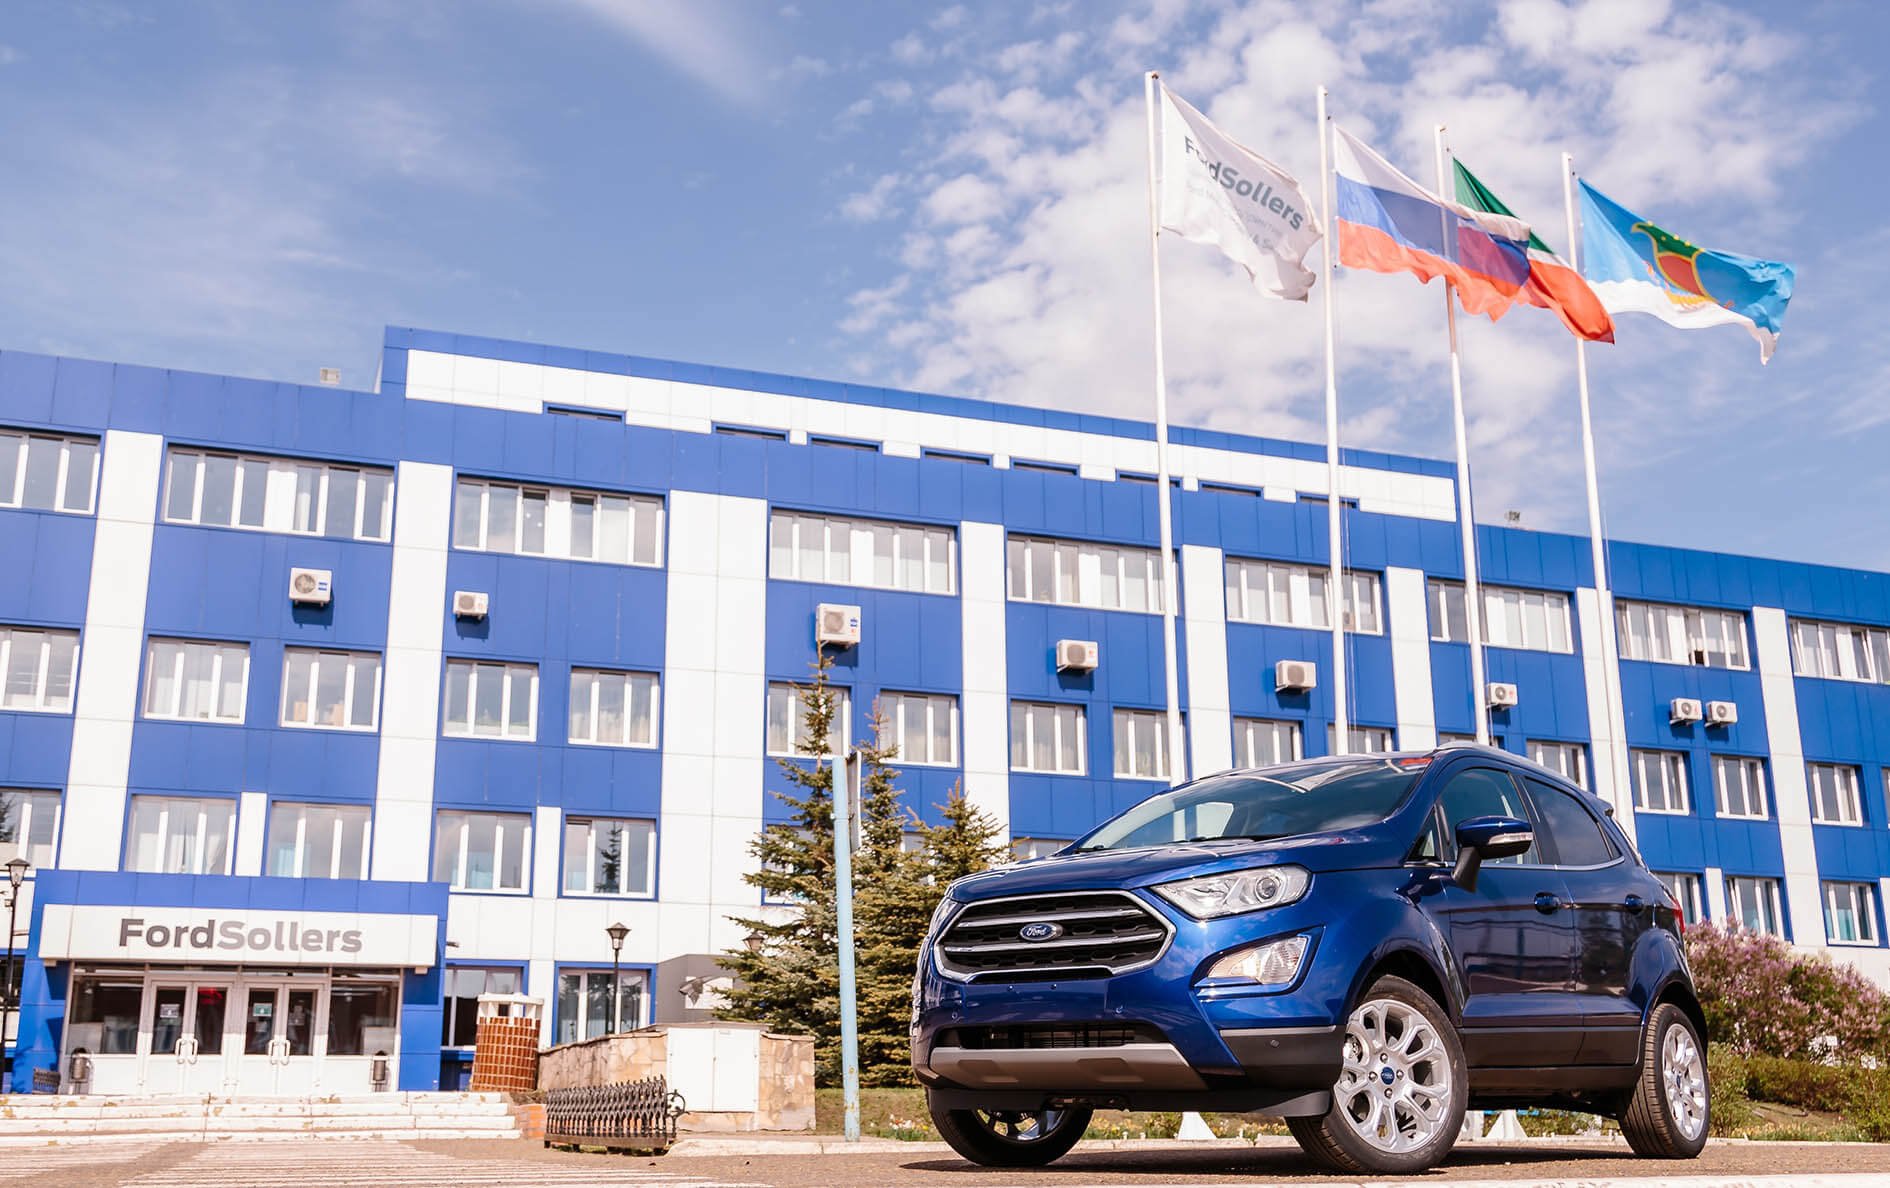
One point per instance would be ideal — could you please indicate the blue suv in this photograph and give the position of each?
(1364, 945)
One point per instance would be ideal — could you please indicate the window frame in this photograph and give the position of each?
(1307, 607)
(24, 817)
(1539, 746)
(641, 513)
(1083, 564)
(901, 703)
(1079, 747)
(1440, 594)
(642, 975)
(510, 669)
(347, 817)
(348, 687)
(200, 834)
(797, 717)
(854, 541)
(1839, 649)
(1133, 720)
(306, 485)
(1672, 633)
(42, 670)
(1246, 730)
(450, 995)
(1771, 902)
(1747, 765)
(457, 885)
(1361, 739)
(13, 497)
(590, 823)
(179, 665)
(1688, 891)
(1863, 908)
(1847, 790)
(596, 696)
(1672, 766)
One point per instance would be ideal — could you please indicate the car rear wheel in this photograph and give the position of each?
(1399, 1100)
(1667, 1111)
(1010, 1138)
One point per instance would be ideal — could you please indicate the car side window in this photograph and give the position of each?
(1485, 792)
(1574, 834)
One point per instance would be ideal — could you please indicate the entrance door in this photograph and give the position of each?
(281, 1037)
(182, 1034)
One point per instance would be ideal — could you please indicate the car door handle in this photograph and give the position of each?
(1634, 905)
(1547, 901)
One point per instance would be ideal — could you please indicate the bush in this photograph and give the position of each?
(1829, 1088)
(1731, 1107)
(1762, 999)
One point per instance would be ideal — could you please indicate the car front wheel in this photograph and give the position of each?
(1399, 1100)
(1667, 1111)
(1010, 1138)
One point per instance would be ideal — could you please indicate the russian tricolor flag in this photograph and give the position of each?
(1389, 223)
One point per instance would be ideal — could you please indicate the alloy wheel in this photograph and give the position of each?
(1394, 1087)
(1683, 1080)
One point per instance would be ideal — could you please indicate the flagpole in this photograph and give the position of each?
(1604, 597)
(1177, 743)
(1472, 595)
(1335, 609)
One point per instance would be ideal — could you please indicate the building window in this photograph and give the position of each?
(195, 681)
(1532, 619)
(1262, 743)
(318, 841)
(1026, 849)
(181, 835)
(1840, 651)
(1295, 596)
(584, 1003)
(47, 473)
(555, 522)
(787, 719)
(41, 667)
(1078, 573)
(1685, 889)
(491, 700)
(1850, 914)
(1361, 740)
(1141, 743)
(114, 1005)
(482, 851)
(280, 495)
(29, 825)
(1681, 635)
(1048, 737)
(845, 552)
(609, 857)
(1566, 759)
(613, 709)
(464, 985)
(1834, 799)
(1660, 781)
(1753, 904)
(1740, 784)
(361, 1015)
(924, 727)
(331, 690)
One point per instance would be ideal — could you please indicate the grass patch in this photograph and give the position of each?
(901, 1114)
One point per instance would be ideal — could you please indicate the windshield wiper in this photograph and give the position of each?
(1235, 837)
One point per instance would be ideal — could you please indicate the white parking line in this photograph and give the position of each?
(372, 1164)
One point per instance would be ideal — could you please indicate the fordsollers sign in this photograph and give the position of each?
(197, 936)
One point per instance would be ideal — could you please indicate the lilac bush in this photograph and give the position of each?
(1762, 999)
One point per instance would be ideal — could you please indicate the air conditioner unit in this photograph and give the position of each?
(311, 587)
(836, 624)
(1683, 710)
(1721, 713)
(1077, 655)
(1500, 695)
(1295, 676)
(469, 604)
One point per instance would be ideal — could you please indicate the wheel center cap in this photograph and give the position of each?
(1386, 1075)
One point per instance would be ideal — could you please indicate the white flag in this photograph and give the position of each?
(1215, 191)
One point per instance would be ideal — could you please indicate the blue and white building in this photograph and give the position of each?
(325, 711)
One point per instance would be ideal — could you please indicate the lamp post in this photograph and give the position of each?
(16, 874)
(753, 942)
(617, 933)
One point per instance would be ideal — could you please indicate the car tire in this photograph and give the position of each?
(1010, 1138)
(1666, 1114)
(1396, 1029)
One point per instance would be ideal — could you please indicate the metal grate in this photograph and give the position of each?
(1081, 1035)
(635, 1114)
(1091, 934)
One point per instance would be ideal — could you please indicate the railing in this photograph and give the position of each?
(637, 1114)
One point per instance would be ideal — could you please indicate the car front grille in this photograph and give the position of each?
(1079, 1035)
(1093, 934)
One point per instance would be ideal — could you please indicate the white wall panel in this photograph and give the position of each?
(1204, 609)
(984, 704)
(1408, 620)
(1772, 651)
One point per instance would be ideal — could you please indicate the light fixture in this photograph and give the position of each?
(753, 942)
(16, 872)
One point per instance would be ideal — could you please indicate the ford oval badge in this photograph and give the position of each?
(1042, 930)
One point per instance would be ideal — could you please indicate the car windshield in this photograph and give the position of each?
(1272, 802)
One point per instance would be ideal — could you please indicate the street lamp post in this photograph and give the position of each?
(16, 875)
(617, 933)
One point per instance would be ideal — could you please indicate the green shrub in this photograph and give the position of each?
(1829, 1088)
(1731, 1106)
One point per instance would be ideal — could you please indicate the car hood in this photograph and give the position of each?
(1341, 850)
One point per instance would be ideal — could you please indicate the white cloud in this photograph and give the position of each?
(873, 203)
(699, 38)
(8, 55)
(911, 50)
(894, 90)
(966, 198)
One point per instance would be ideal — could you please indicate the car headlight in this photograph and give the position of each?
(1273, 964)
(1207, 897)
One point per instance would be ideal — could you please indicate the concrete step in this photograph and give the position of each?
(27, 1120)
(15, 1142)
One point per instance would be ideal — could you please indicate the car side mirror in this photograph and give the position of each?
(1481, 838)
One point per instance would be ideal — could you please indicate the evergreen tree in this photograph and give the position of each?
(965, 844)
(894, 902)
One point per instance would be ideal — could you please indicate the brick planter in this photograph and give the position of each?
(505, 1055)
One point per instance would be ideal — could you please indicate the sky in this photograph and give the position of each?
(953, 198)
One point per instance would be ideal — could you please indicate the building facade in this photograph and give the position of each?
(326, 711)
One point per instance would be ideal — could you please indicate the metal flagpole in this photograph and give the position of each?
(1177, 742)
(1335, 605)
(1472, 595)
(845, 770)
(1604, 597)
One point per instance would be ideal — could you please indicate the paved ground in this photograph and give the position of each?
(295, 1162)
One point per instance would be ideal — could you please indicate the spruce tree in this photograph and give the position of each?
(893, 904)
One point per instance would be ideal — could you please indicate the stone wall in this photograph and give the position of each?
(761, 1080)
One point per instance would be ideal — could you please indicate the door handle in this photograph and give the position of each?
(1633, 905)
(1547, 901)
(177, 1049)
(187, 1050)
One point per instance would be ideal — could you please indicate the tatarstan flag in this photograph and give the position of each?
(1552, 283)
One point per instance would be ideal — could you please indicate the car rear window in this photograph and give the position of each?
(1286, 801)
(1578, 838)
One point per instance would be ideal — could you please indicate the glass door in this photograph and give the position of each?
(182, 1036)
(280, 1037)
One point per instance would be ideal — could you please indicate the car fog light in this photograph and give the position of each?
(1272, 964)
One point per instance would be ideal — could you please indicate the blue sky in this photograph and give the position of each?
(954, 199)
